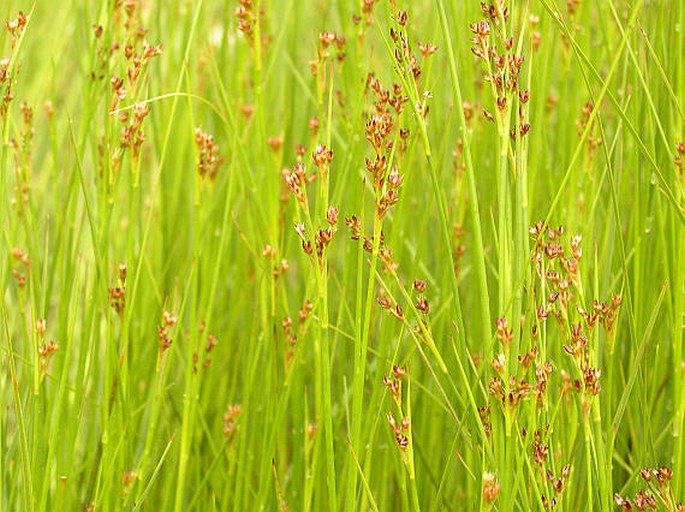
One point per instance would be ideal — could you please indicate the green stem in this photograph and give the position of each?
(479, 251)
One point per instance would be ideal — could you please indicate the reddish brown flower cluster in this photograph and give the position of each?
(275, 143)
(137, 55)
(404, 56)
(535, 36)
(643, 500)
(407, 61)
(540, 450)
(305, 311)
(322, 236)
(297, 182)
(481, 40)
(386, 303)
(499, 365)
(278, 267)
(680, 154)
(504, 335)
(606, 313)
(22, 260)
(15, 28)
(122, 57)
(287, 324)
(119, 92)
(6, 82)
(316, 241)
(572, 6)
(386, 182)
(41, 328)
(524, 126)
(393, 385)
(419, 285)
(511, 395)
(427, 49)
(366, 16)
(379, 129)
(543, 373)
(421, 301)
(591, 380)
(322, 158)
(390, 266)
(168, 321)
(509, 392)
(657, 496)
(138, 59)
(230, 418)
(212, 342)
(491, 488)
(327, 42)
(297, 179)
(380, 125)
(506, 387)
(527, 358)
(117, 293)
(132, 135)
(246, 17)
(578, 345)
(559, 482)
(313, 126)
(209, 159)
(23, 150)
(578, 349)
(354, 223)
(502, 66)
(539, 447)
(127, 480)
(484, 415)
(290, 333)
(45, 350)
(592, 141)
(399, 429)
(557, 271)
(394, 382)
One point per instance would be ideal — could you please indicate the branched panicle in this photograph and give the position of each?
(8, 72)
(658, 495)
(209, 159)
(501, 67)
(680, 154)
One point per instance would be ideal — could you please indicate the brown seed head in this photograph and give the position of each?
(422, 305)
(332, 215)
(169, 319)
(491, 487)
(427, 49)
(322, 155)
(419, 285)
(275, 143)
(398, 371)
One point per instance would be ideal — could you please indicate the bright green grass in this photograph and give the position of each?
(114, 422)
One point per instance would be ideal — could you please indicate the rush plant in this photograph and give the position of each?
(342, 255)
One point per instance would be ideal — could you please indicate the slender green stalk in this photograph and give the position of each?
(171, 342)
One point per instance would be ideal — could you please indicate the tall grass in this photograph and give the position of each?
(346, 255)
